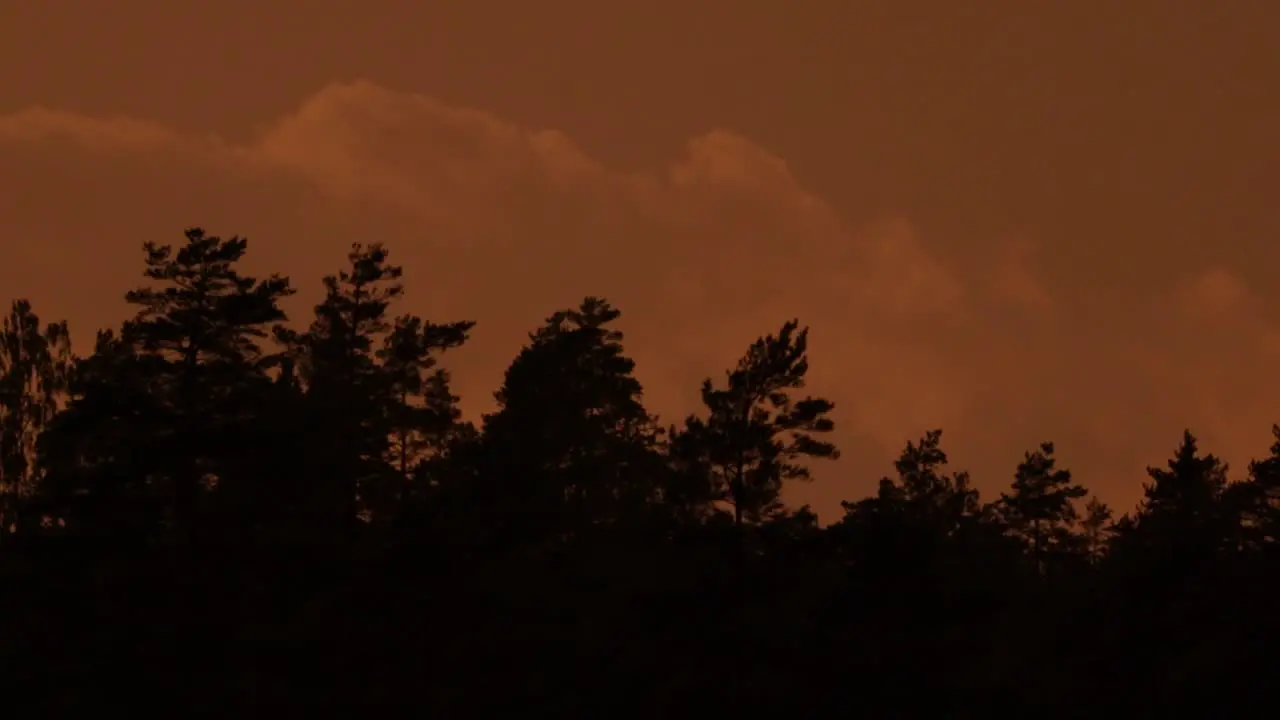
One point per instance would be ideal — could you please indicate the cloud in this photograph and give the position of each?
(1215, 294)
(505, 224)
(1013, 281)
(39, 124)
(363, 140)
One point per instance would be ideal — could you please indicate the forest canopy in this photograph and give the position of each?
(210, 420)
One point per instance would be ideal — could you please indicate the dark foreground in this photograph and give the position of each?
(658, 630)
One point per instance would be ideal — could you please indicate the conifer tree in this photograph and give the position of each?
(1040, 510)
(757, 435)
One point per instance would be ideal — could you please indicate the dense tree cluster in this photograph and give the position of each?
(244, 512)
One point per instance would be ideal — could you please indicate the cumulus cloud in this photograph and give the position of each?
(505, 224)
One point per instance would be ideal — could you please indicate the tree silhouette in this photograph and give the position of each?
(757, 435)
(422, 411)
(181, 376)
(924, 493)
(98, 455)
(1254, 504)
(1096, 529)
(184, 504)
(1183, 514)
(1041, 510)
(35, 366)
(571, 442)
(346, 388)
(202, 330)
(915, 517)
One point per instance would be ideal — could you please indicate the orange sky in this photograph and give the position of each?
(1017, 221)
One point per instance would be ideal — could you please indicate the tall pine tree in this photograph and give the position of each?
(162, 407)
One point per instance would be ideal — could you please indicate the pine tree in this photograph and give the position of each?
(202, 328)
(422, 413)
(424, 410)
(345, 387)
(572, 444)
(162, 407)
(1041, 510)
(757, 436)
(1183, 513)
(923, 495)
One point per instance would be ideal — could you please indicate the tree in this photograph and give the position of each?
(424, 409)
(1041, 510)
(1096, 529)
(202, 328)
(921, 517)
(376, 401)
(571, 442)
(757, 436)
(422, 412)
(598, 531)
(35, 367)
(1256, 502)
(922, 496)
(1182, 511)
(345, 386)
(926, 554)
(163, 406)
(98, 455)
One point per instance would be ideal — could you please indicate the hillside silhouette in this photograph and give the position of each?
(219, 510)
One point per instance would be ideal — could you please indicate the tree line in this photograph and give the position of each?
(206, 428)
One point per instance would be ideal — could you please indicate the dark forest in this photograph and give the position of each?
(221, 511)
